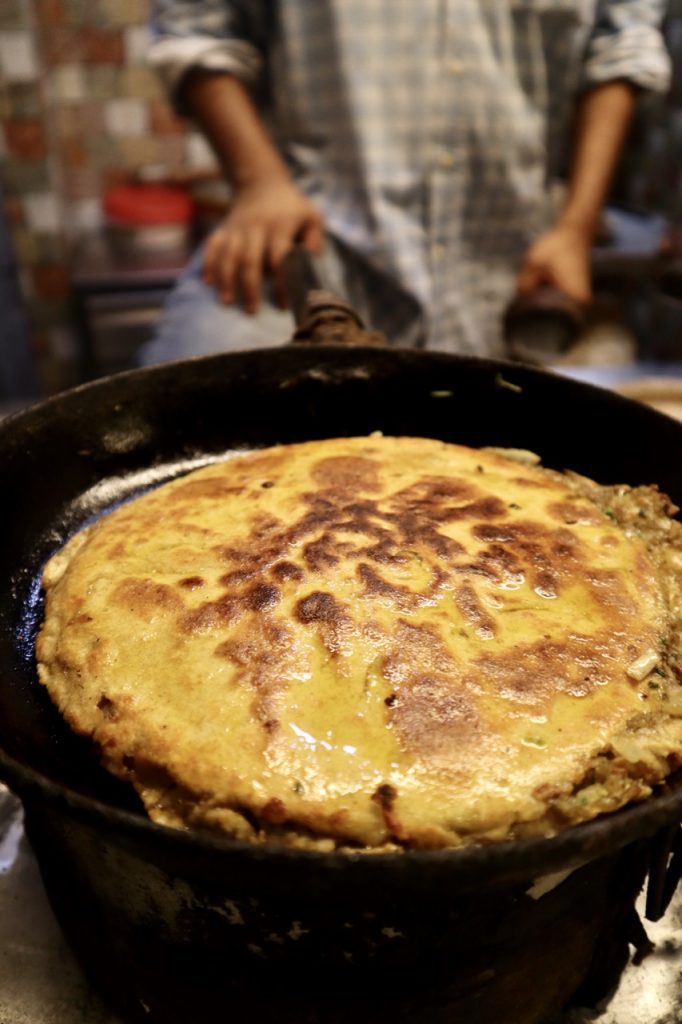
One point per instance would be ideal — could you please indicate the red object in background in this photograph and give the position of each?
(148, 204)
(146, 218)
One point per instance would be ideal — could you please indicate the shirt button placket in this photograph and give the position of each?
(445, 171)
(446, 159)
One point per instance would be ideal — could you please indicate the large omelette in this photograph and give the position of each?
(374, 642)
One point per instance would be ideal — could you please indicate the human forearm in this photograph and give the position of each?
(602, 122)
(561, 257)
(222, 107)
(268, 213)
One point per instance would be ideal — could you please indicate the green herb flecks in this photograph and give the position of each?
(534, 741)
(502, 382)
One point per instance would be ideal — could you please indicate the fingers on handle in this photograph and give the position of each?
(531, 276)
(212, 249)
(312, 235)
(280, 244)
(221, 260)
(580, 288)
(235, 260)
(250, 269)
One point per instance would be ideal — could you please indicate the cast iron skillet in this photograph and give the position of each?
(173, 925)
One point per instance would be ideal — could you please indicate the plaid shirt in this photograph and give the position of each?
(425, 130)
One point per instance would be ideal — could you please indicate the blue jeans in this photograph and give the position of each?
(195, 323)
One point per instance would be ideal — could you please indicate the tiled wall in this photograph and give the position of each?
(79, 111)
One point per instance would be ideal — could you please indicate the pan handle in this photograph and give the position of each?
(665, 871)
(322, 318)
(541, 325)
(328, 320)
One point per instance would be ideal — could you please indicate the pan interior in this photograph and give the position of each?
(180, 712)
(83, 453)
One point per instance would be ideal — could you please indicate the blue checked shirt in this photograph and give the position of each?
(425, 130)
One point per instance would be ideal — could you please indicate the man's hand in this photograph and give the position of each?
(560, 258)
(265, 220)
(268, 213)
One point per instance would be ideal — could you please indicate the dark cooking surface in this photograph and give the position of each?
(63, 458)
(40, 982)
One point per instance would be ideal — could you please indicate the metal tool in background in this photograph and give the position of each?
(541, 325)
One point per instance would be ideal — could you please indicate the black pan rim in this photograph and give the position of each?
(567, 849)
(319, 352)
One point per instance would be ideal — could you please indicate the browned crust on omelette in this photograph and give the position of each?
(374, 642)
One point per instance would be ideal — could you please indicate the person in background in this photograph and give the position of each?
(409, 145)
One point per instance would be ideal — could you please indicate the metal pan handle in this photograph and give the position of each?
(322, 318)
(541, 325)
(665, 871)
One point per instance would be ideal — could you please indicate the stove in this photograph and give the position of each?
(40, 982)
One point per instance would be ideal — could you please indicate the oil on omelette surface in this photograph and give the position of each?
(374, 643)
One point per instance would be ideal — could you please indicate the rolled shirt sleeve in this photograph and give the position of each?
(214, 35)
(627, 43)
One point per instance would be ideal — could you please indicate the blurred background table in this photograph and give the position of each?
(116, 298)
